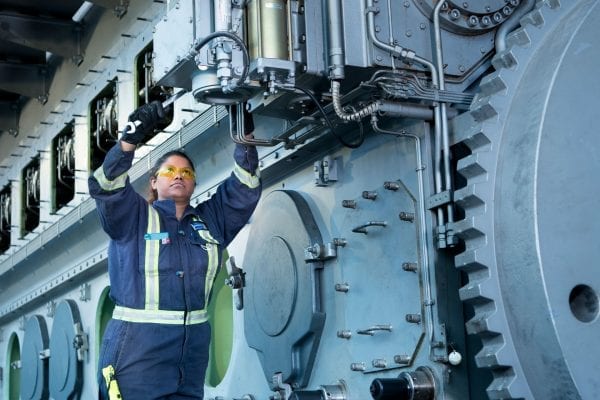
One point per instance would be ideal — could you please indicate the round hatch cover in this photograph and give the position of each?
(65, 376)
(34, 369)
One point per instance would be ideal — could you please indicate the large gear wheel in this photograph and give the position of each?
(530, 203)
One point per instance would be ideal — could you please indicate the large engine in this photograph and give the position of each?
(428, 166)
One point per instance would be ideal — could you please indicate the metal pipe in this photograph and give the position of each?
(510, 24)
(82, 11)
(335, 39)
(444, 117)
(437, 110)
(427, 301)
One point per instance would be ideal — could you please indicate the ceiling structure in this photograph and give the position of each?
(35, 36)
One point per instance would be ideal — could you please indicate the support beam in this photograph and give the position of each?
(9, 117)
(118, 6)
(56, 36)
(25, 79)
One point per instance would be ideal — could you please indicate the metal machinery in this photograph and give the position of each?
(429, 168)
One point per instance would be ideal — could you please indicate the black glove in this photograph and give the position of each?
(142, 122)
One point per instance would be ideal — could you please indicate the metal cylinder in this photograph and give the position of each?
(268, 29)
(335, 36)
(413, 385)
(222, 15)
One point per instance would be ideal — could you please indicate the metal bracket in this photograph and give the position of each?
(26, 80)
(236, 281)
(85, 292)
(80, 341)
(326, 171)
(283, 390)
(62, 37)
(119, 7)
(321, 252)
(9, 117)
(439, 200)
(44, 354)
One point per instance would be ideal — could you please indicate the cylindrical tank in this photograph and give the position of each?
(268, 29)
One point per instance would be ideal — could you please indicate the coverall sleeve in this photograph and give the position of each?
(118, 204)
(236, 197)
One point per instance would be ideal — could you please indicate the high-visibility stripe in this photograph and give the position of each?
(212, 249)
(168, 317)
(151, 261)
(252, 181)
(108, 185)
(111, 383)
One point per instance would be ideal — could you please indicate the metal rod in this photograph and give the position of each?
(421, 228)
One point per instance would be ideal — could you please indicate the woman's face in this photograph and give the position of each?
(174, 180)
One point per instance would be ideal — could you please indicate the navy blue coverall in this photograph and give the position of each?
(161, 272)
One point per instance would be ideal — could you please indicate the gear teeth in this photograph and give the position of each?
(470, 168)
(468, 132)
(484, 308)
(467, 199)
(492, 84)
(499, 389)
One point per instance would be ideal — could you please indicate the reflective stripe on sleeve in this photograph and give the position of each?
(167, 317)
(151, 261)
(212, 249)
(252, 181)
(108, 185)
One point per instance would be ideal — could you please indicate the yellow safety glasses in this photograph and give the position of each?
(170, 171)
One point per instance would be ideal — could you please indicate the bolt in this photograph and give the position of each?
(369, 195)
(303, 38)
(454, 14)
(391, 185)
(473, 21)
(461, 68)
(465, 5)
(413, 318)
(402, 359)
(507, 11)
(497, 17)
(408, 33)
(515, 3)
(344, 334)
(406, 4)
(409, 266)
(407, 216)
(358, 366)
(340, 242)
(342, 287)
(422, 26)
(485, 20)
(377, 28)
(379, 363)
(348, 203)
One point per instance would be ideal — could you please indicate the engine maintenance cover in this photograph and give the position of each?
(66, 376)
(34, 375)
(283, 321)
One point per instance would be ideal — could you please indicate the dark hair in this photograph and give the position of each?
(153, 194)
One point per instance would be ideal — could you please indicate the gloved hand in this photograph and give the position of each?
(142, 122)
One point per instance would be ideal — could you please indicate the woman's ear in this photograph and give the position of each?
(153, 183)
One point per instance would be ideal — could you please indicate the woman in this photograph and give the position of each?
(163, 258)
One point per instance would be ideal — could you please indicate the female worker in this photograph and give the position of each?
(162, 260)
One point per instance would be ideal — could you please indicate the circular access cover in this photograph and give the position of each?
(65, 368)
(34, 369)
